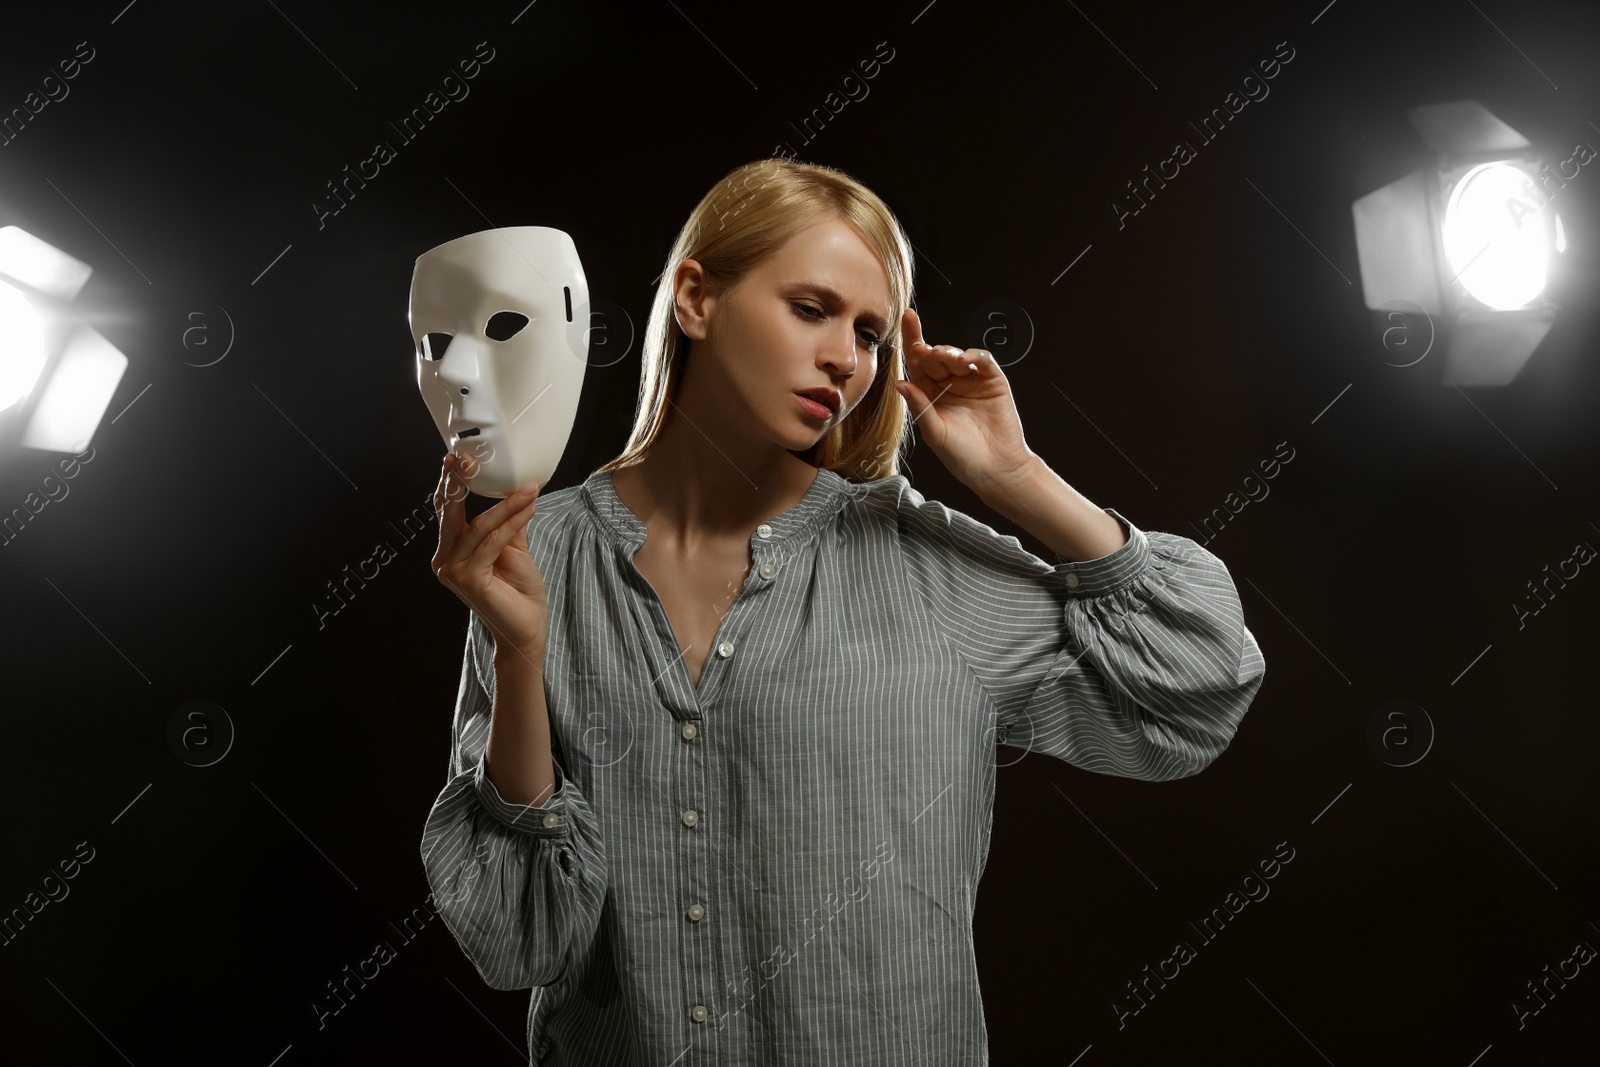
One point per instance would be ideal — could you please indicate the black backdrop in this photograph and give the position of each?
(1220, 327)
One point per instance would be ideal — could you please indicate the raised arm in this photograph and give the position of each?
(1136, 664)
(1136, 660)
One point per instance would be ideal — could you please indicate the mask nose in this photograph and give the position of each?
(463, 366)
(463, 380)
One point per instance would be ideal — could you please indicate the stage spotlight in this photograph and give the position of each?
(57, 376)
(1471, 241)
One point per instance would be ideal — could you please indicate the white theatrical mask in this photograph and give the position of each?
(500, 320)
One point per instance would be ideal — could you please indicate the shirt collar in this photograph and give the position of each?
(828, 492)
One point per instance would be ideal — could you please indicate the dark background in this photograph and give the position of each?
(1169, 361)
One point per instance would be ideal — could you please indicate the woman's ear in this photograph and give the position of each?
(689, 298)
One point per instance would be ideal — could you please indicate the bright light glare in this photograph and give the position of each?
(21, 346)
(1493, 237)
(40, 264)
(75, 399)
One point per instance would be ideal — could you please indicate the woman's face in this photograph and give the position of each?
(808, 317)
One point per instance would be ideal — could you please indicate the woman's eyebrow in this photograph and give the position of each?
(833, 296)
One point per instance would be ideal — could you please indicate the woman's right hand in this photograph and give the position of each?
(486, 563)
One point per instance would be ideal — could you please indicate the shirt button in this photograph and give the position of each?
(696, 912)
(691, 817)
(725, 649)
(698, 1013)
(767, 570)
(690, 731)
(763, 531)
(1072, 580)
(551, 819)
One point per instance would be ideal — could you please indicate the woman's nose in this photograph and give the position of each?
(842, 357)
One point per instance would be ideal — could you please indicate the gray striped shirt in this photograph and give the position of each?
(778, 866)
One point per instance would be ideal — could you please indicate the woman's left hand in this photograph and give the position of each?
(963, 408)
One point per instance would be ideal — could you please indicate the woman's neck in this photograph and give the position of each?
(693, 493)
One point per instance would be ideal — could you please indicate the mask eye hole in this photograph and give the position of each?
(434, 344)
(504, 325)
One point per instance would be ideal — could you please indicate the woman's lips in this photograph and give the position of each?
(813, 408)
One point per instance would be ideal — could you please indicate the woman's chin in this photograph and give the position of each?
(801, 441)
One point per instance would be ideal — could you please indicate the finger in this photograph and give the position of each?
(513, 524)
(920, 405)
(481, 529)
(916, 400)
(962, 362)
(911, 328)
(447, 504)
(930, 363)
(978, 361)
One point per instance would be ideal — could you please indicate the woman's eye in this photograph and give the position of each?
(817, 315)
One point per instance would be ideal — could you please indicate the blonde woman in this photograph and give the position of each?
(723, 763)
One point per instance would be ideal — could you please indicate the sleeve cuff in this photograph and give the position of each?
(541, 820)
(1110, 572)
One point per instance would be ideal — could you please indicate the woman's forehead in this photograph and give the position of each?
(832, 256)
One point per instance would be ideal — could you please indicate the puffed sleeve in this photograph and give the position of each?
(520, 886)
(1136, 664)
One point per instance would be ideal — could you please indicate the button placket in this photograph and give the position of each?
(685, 695)
(705, 690)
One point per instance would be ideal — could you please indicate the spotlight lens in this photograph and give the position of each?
(1494, 237)
(21, 346)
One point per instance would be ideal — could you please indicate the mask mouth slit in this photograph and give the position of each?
(475, 431)
(567, 291)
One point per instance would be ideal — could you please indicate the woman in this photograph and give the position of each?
(723, 761)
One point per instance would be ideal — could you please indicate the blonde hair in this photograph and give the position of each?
(742, 220)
